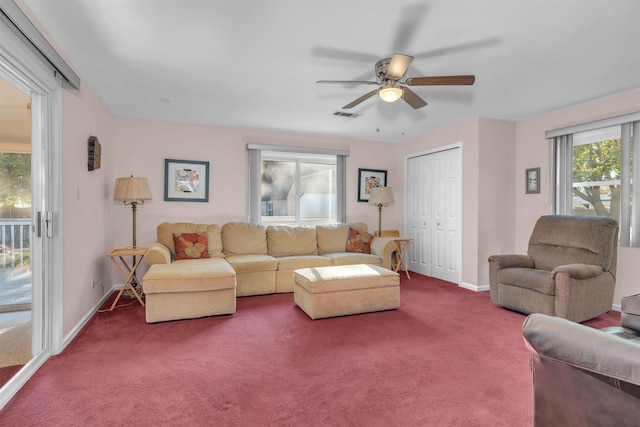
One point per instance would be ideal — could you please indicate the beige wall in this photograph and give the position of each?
(86, 211)
(497, 179)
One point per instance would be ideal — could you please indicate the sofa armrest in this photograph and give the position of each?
(512, 260)
(583, 347)
(578, 271)
(157, 253)
(383, 247)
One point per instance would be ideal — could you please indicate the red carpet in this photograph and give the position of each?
(447, 357)
(7, 372)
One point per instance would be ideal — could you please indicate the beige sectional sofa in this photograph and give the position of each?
(260, 258)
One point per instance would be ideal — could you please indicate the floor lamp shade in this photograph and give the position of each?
(381, 196)
(132, 191)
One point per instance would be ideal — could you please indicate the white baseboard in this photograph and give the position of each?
(72, 334)
(474, 288)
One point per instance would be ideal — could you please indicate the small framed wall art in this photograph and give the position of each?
(368, 179)
(186, 181)
(532, 183)
(94, 152)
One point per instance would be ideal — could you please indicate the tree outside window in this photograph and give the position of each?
(596, 178)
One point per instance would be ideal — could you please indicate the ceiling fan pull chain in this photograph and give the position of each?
(377, 117)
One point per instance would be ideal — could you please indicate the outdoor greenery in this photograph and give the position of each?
(15, 179)
(598, 162)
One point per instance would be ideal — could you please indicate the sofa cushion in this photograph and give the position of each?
(348, 258)
(333, 237)
(283, 240)
(252, 263)
(191, 246)
(191, 275)
(242, 238)
(303, 261)
(529, 278)
(359, 241)
(166, 230)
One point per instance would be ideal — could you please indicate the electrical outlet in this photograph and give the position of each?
(93, 281)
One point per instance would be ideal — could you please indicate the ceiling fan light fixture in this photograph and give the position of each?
(390, 93)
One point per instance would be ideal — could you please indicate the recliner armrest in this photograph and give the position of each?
(578, 271)
(512, 260)
(583, 347)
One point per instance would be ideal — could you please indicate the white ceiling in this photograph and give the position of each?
(254, 64)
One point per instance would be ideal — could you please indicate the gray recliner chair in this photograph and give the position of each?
(584, 376)
(569, 270)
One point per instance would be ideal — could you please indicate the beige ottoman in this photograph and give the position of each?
(345, 289)
(187, 289)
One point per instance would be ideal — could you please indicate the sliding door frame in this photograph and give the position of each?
(26, 71)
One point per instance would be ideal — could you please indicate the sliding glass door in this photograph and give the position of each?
(15, 230)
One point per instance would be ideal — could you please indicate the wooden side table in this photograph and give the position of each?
(127, 272)
(401, 250)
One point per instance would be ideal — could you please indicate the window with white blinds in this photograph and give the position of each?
(594, 172)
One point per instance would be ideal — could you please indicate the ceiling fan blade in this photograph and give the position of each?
(398, 65)
(457, 48)
(337, 53)
(412, 99)
(359, 100)
(441, 80)
(411, 18)
(346, 82)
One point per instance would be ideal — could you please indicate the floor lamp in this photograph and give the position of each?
(381, 196)
(132, 191)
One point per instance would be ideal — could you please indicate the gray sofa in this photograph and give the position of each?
(584, 376)
(569, 269)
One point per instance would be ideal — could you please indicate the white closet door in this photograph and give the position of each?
(419, 214)
(434, 207)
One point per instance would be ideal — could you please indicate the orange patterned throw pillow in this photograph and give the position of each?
(191, 246)
(359, 241)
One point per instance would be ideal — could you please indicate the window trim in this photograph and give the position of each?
(597, 124)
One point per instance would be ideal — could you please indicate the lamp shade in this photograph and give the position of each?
(381, 196)
(131, 189)
(390, 94)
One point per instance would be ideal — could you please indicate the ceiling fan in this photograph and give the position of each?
(389, 71)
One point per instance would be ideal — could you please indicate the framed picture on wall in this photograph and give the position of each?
(186, 181)
(368, 179)
(532, 177)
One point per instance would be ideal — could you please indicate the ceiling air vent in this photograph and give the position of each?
(347, 115)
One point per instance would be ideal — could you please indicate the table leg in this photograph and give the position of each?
(400, 254)
(127, 279)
